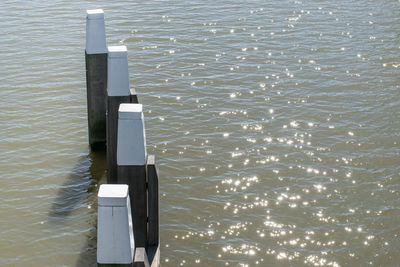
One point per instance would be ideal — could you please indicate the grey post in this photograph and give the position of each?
(115, 240)
(131, 160)
(117, 92)
(96, 77)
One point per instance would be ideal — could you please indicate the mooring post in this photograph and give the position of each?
(115, 240)
(153, 235)
(117, 92)
(131, 159)
(96, 77)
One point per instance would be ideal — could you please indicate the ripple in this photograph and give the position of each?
(275, 129)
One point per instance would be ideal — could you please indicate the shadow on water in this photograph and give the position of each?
(80, 186)
(81, 182)
(98, 168)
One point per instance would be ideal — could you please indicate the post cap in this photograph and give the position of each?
(118, 74)
(95, 32)
(130, 111)
(118, 51)
(113, 195)
(95, 14)
(131, 145)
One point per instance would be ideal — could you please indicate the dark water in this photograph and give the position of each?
(275, 125)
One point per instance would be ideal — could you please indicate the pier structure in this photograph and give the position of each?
(128, 205)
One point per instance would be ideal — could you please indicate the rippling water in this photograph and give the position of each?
(275, 125)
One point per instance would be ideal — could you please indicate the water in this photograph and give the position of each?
(275, 126)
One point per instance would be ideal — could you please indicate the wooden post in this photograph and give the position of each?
(153, 210)
(131, 159)
(118, 92)
(96, 77)
(115, 240)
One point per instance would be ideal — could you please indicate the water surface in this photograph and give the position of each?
(275, 125)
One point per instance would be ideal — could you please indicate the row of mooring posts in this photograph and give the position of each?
(128, 205)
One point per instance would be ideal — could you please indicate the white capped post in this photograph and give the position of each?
(118, 74)
(131, 149)
(117, 92)
(96, 77)
(131, 161)
(115, 241)
(95, 32)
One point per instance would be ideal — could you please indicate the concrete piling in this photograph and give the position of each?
(115, 240)
(96, 77)
(131, 160)
(118, 92)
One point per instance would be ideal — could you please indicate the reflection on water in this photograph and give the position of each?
(275, 126)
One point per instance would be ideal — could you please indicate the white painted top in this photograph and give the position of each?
(130, 112)
(118, 74)
(95, 14)
(114, 195)
(117, 50)
(131, 149)
(95, 32)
